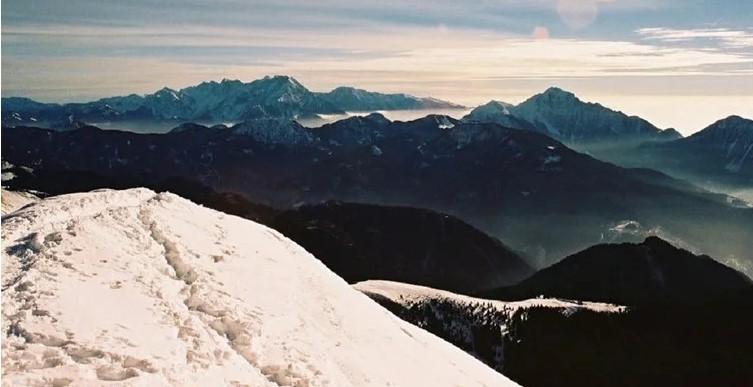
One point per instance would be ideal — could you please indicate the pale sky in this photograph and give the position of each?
(677, 63)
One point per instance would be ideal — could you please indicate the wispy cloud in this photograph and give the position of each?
(724, 37)
(467, 66)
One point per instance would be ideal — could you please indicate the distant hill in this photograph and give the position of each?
(361, 242)
(653, 271)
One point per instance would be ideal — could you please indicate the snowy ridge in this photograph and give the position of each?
(150, 289)
(485, 329)
(13, 200)
(406, 293)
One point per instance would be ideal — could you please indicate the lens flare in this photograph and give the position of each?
(577, 14)
(540, 32)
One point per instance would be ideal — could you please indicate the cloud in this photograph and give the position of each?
(727, 38)
(438, 60)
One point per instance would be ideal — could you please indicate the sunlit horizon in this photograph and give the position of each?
(658, 60)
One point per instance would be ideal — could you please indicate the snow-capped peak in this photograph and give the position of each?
(167, 92)
(150, 289)
(494, 107)
(556, 92)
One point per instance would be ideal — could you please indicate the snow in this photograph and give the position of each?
(148, 289)
(13, 200)
(444, 123)
(626, 226)
(7, 176)
(403, 293)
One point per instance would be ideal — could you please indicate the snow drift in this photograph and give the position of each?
(150, 289)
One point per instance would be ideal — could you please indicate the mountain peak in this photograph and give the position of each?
(377, 118)
(669, 134)
(342, 89)
(497, 106)
(731, 126)
(655, 241)
(556, 92)
(562, 115)
(167, 92)
(442, 121)
(735, 120)
(282, 79)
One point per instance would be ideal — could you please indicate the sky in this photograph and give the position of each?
(677, 63)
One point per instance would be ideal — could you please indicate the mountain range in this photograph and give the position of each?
(512, 184)
(212, 102)
(719, 156)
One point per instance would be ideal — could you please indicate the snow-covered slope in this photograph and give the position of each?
(151, 289)
(403, 293)
(356, 100)
(13, 200)
(491, 331)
